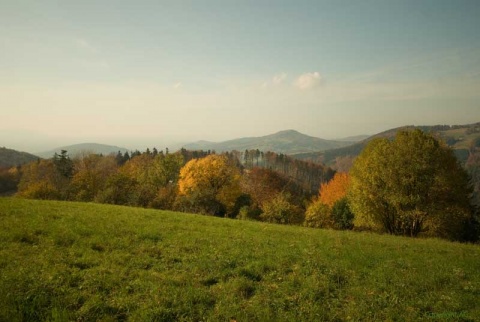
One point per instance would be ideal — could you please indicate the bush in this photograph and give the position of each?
(40, 190)
(342, 215)
(279, 210)
(318, 215)
(249, 213)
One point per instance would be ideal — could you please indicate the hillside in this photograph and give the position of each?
(88, 262)
(77, 149)
(11, 158)
(460, 137)
(287, 142)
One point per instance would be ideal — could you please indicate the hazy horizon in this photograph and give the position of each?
(154, 73)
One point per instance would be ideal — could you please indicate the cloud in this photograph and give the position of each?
(177, 85)
(279, 78)
(85, 45)
(307, 80)
(276, 80)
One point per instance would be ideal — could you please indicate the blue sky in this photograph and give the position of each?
(144, 73)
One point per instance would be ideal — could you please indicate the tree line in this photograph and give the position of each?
(412, 185)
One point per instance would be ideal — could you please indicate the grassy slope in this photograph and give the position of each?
(86, 262)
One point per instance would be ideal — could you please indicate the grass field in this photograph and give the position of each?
(62, 261)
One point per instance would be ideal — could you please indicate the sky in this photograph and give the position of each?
(156, 73)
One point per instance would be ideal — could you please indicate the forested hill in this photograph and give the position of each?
(11, 158)
(461, 138)
(287, 142)
(88, 148)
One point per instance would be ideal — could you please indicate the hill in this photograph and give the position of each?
(11, 158)
(88, 262)
(460, 137)
(287, 142)
(77, 149)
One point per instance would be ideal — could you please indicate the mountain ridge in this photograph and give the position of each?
(12, 158)
(286, 141)
(459, 137)
(77, 149)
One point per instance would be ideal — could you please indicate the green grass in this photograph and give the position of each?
(63, 261)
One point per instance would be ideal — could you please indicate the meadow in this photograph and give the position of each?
(68, 261)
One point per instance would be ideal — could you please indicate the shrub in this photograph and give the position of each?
(318, 215)
(279, 210)
(342, 216)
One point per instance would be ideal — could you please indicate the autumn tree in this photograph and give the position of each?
(280, 210)
(210, 185)
(331, 209)
(90, 175)
(40, 180)
(335, 189)
(318, 215)
(410, 185)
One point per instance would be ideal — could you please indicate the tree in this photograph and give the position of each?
(41, 180)
(119, 189)
(263, 185)
(90, 175)
(335, 189)
(410, 185)
(210, 185)
(280, 210)
(342, 214)
(318, 215)
(63, 164)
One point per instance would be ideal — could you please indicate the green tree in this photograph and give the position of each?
(342, 214)
(63, 164)
(119, 189)
(280, 210)
(409, 185)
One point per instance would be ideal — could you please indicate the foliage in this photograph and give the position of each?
(410, 185)
(90, 176)
(69, 261)
(210, 185)
(335, 189)
(9, 179)
(249, 213)
(342, 215)
(262, 185)
(119, 189)
(41, 180)
(280, 210)
(63, 164)
(318, 215)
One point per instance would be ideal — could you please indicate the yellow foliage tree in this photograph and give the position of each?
(210, 185)
(335, 189)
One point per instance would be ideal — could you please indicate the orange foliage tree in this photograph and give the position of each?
(335, 189)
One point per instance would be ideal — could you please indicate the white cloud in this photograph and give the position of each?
(177, 85)
(279, 78)
(85, 45)
(307, 80)
(275, 80)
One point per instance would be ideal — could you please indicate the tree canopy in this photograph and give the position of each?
(210, 184)
(409, 185)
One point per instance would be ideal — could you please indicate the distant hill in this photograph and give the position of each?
(11, 158)
(78, 149)
(356, 138)
(459, 137)
(287, 142)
